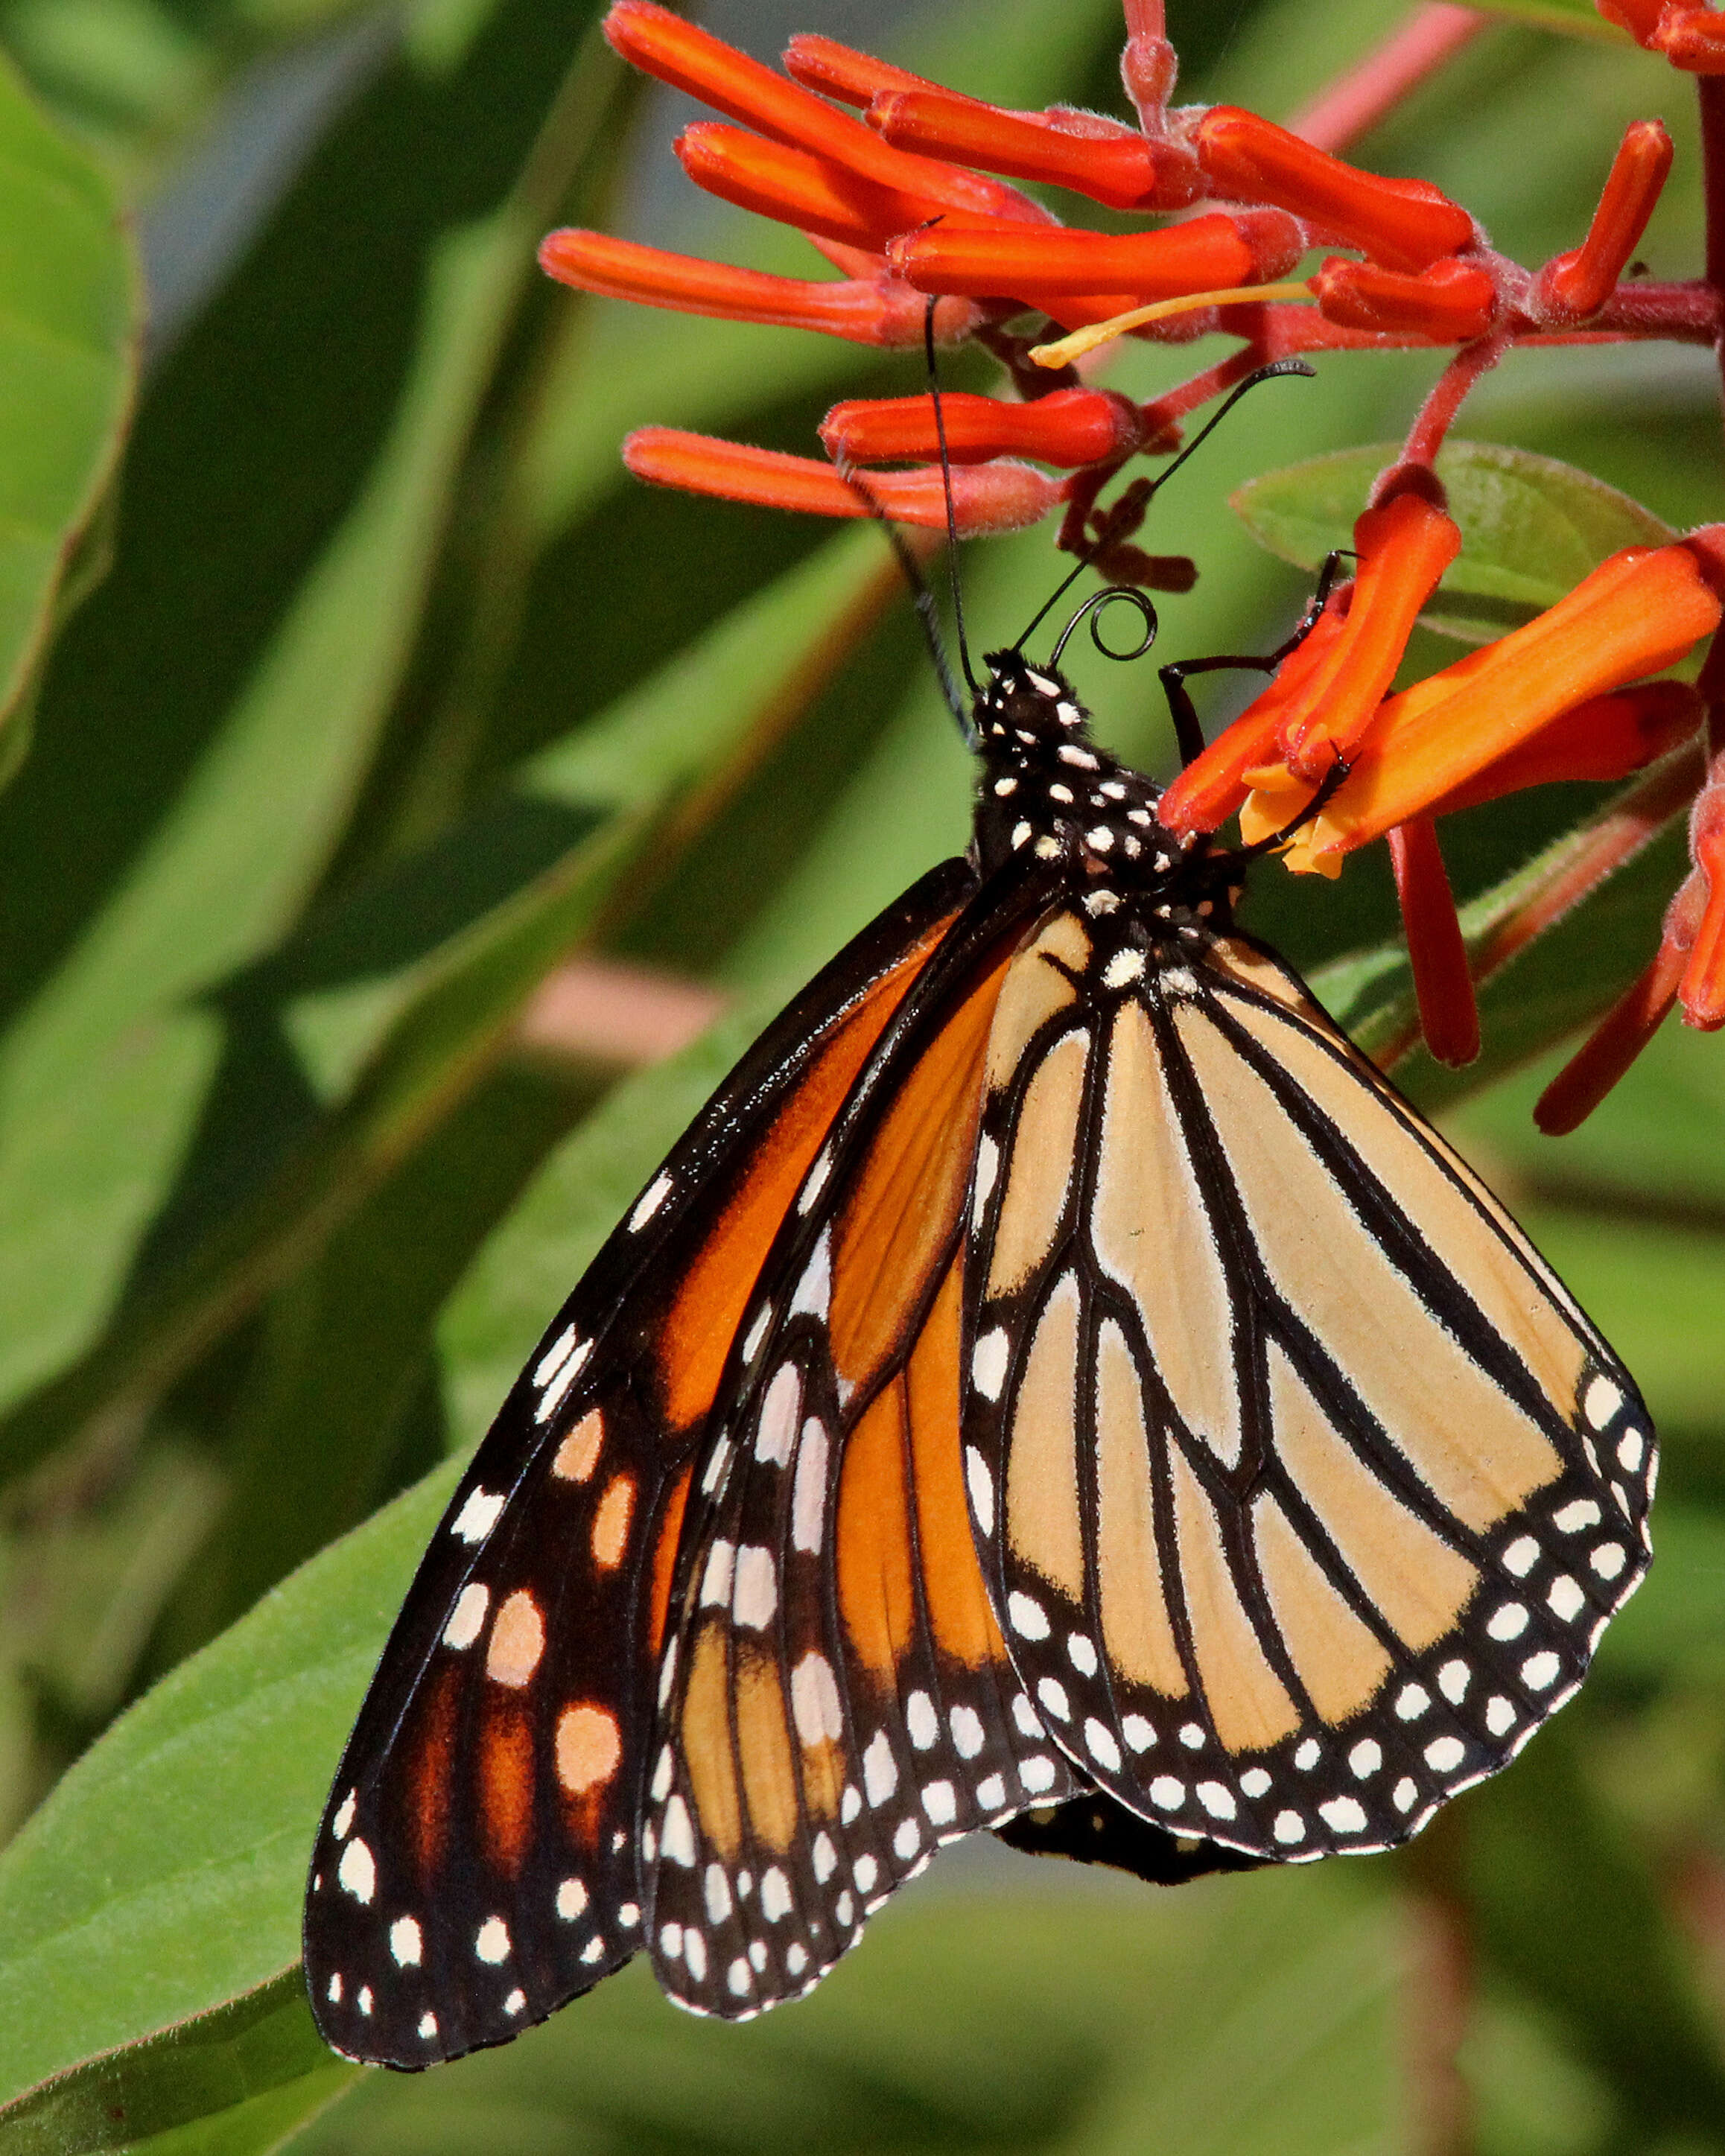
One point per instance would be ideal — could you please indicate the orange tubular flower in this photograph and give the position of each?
(1071, 426)
(1605, 738)
(1452, 302)
(1214, 785)
(1575, 286)
(987, 498)
(1202, 255)
(1404, 547)
(1100, 158)
(1637, 613)
(1405, 224)
(872, 311)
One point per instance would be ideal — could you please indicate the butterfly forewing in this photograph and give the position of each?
(479, 1860)
(1306, 1489)
(842, 1702)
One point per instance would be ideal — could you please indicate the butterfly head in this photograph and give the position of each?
(1047, 790)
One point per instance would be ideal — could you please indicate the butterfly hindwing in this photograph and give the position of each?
(1309, 1488)
(478, 1863)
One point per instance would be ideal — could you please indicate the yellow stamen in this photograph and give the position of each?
(1063, 352)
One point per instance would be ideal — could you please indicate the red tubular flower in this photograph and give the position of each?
(1452, 302)
(986, 498)
(1449, 1015)
(1620, 1035)
(692, 59)
(854, 78)
(1070, 428)
(1637, 613)
(1405, 224)
(872, 311)
(1102, 158)
(1573, 286)
(795, 186)
(1201, 255)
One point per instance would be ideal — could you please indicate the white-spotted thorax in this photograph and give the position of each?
(1049, 793)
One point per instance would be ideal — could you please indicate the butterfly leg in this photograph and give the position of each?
(1189, 731)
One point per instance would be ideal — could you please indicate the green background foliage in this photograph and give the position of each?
(367, 689)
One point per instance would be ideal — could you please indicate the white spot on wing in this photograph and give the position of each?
(491, 1942)
(648, 1202)
(756, 1593)
(779, 1417)
(357, 1871)
(987, 1363)
(808, 1493)
(478, 1516)
(406, 1942)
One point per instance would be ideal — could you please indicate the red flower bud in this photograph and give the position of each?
(874, 311)
(854, 78)
(1406, 224)
(796, 186)
(1109, 162)
(692, 59)
(1452, 302)
(1692, 38)
(1203, 254)
(1072, 427)
(1573, 286)
(986, 498)
(1639, 18)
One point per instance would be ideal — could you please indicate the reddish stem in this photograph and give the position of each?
(1356, 101)
(1437, 415)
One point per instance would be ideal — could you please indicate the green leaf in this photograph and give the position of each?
(234, 2082)
(68, 320)
(163, 1877)
(1531, 528)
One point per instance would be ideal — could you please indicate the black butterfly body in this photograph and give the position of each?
(1057, 1386)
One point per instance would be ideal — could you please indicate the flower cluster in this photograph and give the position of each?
(906, 188)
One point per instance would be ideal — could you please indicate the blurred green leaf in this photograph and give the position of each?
(68, 317)
(1106, 2017)
(1565, 1909)
(234, 2082)
(163, 1876)
(1531, 528)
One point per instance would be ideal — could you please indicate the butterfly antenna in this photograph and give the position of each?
(1273, 371)
(922, 597)
(940, 435)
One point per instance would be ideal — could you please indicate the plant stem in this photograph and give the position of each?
(1356, 101)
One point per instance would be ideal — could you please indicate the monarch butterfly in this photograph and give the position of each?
(1056, 1386)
